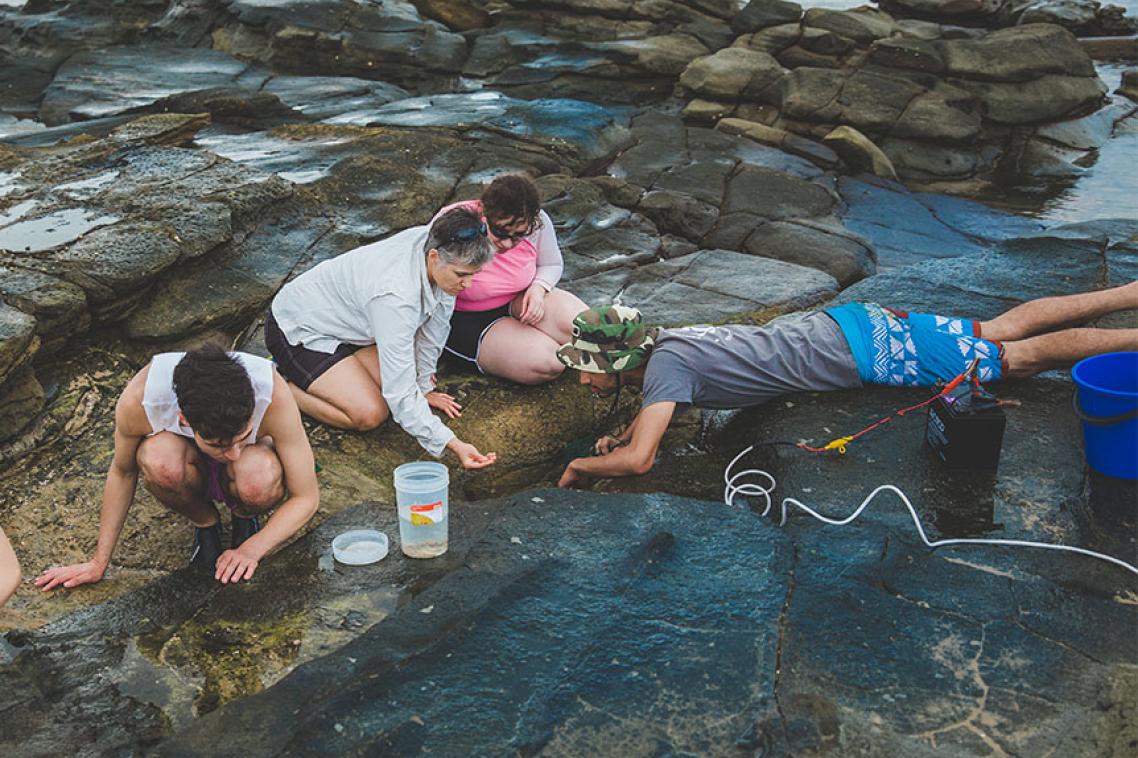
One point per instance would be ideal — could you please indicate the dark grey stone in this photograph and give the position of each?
(759, 14)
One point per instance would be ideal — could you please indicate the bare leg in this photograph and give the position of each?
(256, 479)
(171, 471)
(520, 353)
(9, 569)
(1050, 313)
(347, 396)
(1061, 349)
(561, 308)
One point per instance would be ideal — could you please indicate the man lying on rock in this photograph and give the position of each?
(207, 427)
(840, 348)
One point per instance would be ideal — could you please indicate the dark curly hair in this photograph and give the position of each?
(214, 392)
(512, 196)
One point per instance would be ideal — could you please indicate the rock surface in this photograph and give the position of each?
(204, 151)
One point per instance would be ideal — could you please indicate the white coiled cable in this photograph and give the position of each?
(731, 489)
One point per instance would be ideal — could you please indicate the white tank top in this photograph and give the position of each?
(161, 404)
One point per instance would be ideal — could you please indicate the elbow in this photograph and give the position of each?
(311, 507)
(642, 465)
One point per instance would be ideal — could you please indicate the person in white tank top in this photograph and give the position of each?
(207, 427)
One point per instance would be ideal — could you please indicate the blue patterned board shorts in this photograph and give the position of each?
(906, 349)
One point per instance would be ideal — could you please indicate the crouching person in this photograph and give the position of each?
(207, 428)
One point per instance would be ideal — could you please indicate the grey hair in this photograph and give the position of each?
(476, 251)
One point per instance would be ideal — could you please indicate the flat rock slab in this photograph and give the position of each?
(1059, 261)
(568, 623)
(115, 80)
(710, 286)
(907, 228)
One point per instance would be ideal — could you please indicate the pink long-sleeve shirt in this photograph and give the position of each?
(536, 258)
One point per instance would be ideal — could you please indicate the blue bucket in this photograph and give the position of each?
(1107, 404)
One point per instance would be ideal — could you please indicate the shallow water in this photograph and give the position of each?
(52, 230)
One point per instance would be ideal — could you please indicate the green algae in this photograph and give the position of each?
(235, 657)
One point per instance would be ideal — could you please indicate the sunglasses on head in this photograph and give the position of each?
(505, 234)
(469, 233)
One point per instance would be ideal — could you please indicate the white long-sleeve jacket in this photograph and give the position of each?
(378, 293)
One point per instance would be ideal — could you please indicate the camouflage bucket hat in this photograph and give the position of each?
(608, 340)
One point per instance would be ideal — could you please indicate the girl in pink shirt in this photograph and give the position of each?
(512, 318)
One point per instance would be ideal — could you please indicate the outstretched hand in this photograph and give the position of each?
(570, 479)
(69, 576)
(445, 403)
(235, 565)
(469, 455)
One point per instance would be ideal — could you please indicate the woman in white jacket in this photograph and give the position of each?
(358, 337)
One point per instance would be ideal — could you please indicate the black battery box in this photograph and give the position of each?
(966, 428)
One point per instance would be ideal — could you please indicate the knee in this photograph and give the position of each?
(163, 472)
(542, 371)
(259, 483)
(371, 417)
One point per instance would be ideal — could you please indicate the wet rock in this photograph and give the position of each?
(1013, 55)
(640, 68)
(863, 25)
(109, 82)
(826, 247)
(773, 40)
(734, 73)
(705, 112)
(457, 15)
(37, 38)
(759, 14)
(21, 398)
(1058, 149)
(606, 564)
(1048, 98)
(18, 340)
(938, 102)
(1087, 17)
(1129, 86)
(594, 235)
(320, 98)
(788, 141)
(1072, 14)
(859, 152)
(391, 42)
(908, 53)
(58, 307)
(1084, 257)
(905, 228)
(675, 291)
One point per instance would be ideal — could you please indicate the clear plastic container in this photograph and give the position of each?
(359, 547)
(421, 498)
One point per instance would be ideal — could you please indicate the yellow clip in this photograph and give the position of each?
(839, 444)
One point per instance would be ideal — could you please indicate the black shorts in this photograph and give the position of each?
(467, 328)
(298, 364)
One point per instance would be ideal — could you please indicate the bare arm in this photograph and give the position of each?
(118, 491)
(609, 442)
(9, 569)
(633, 459)
(282, 422)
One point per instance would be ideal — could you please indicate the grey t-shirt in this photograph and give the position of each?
(738, 366)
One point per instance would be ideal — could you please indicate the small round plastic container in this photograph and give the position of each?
(359, 547)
